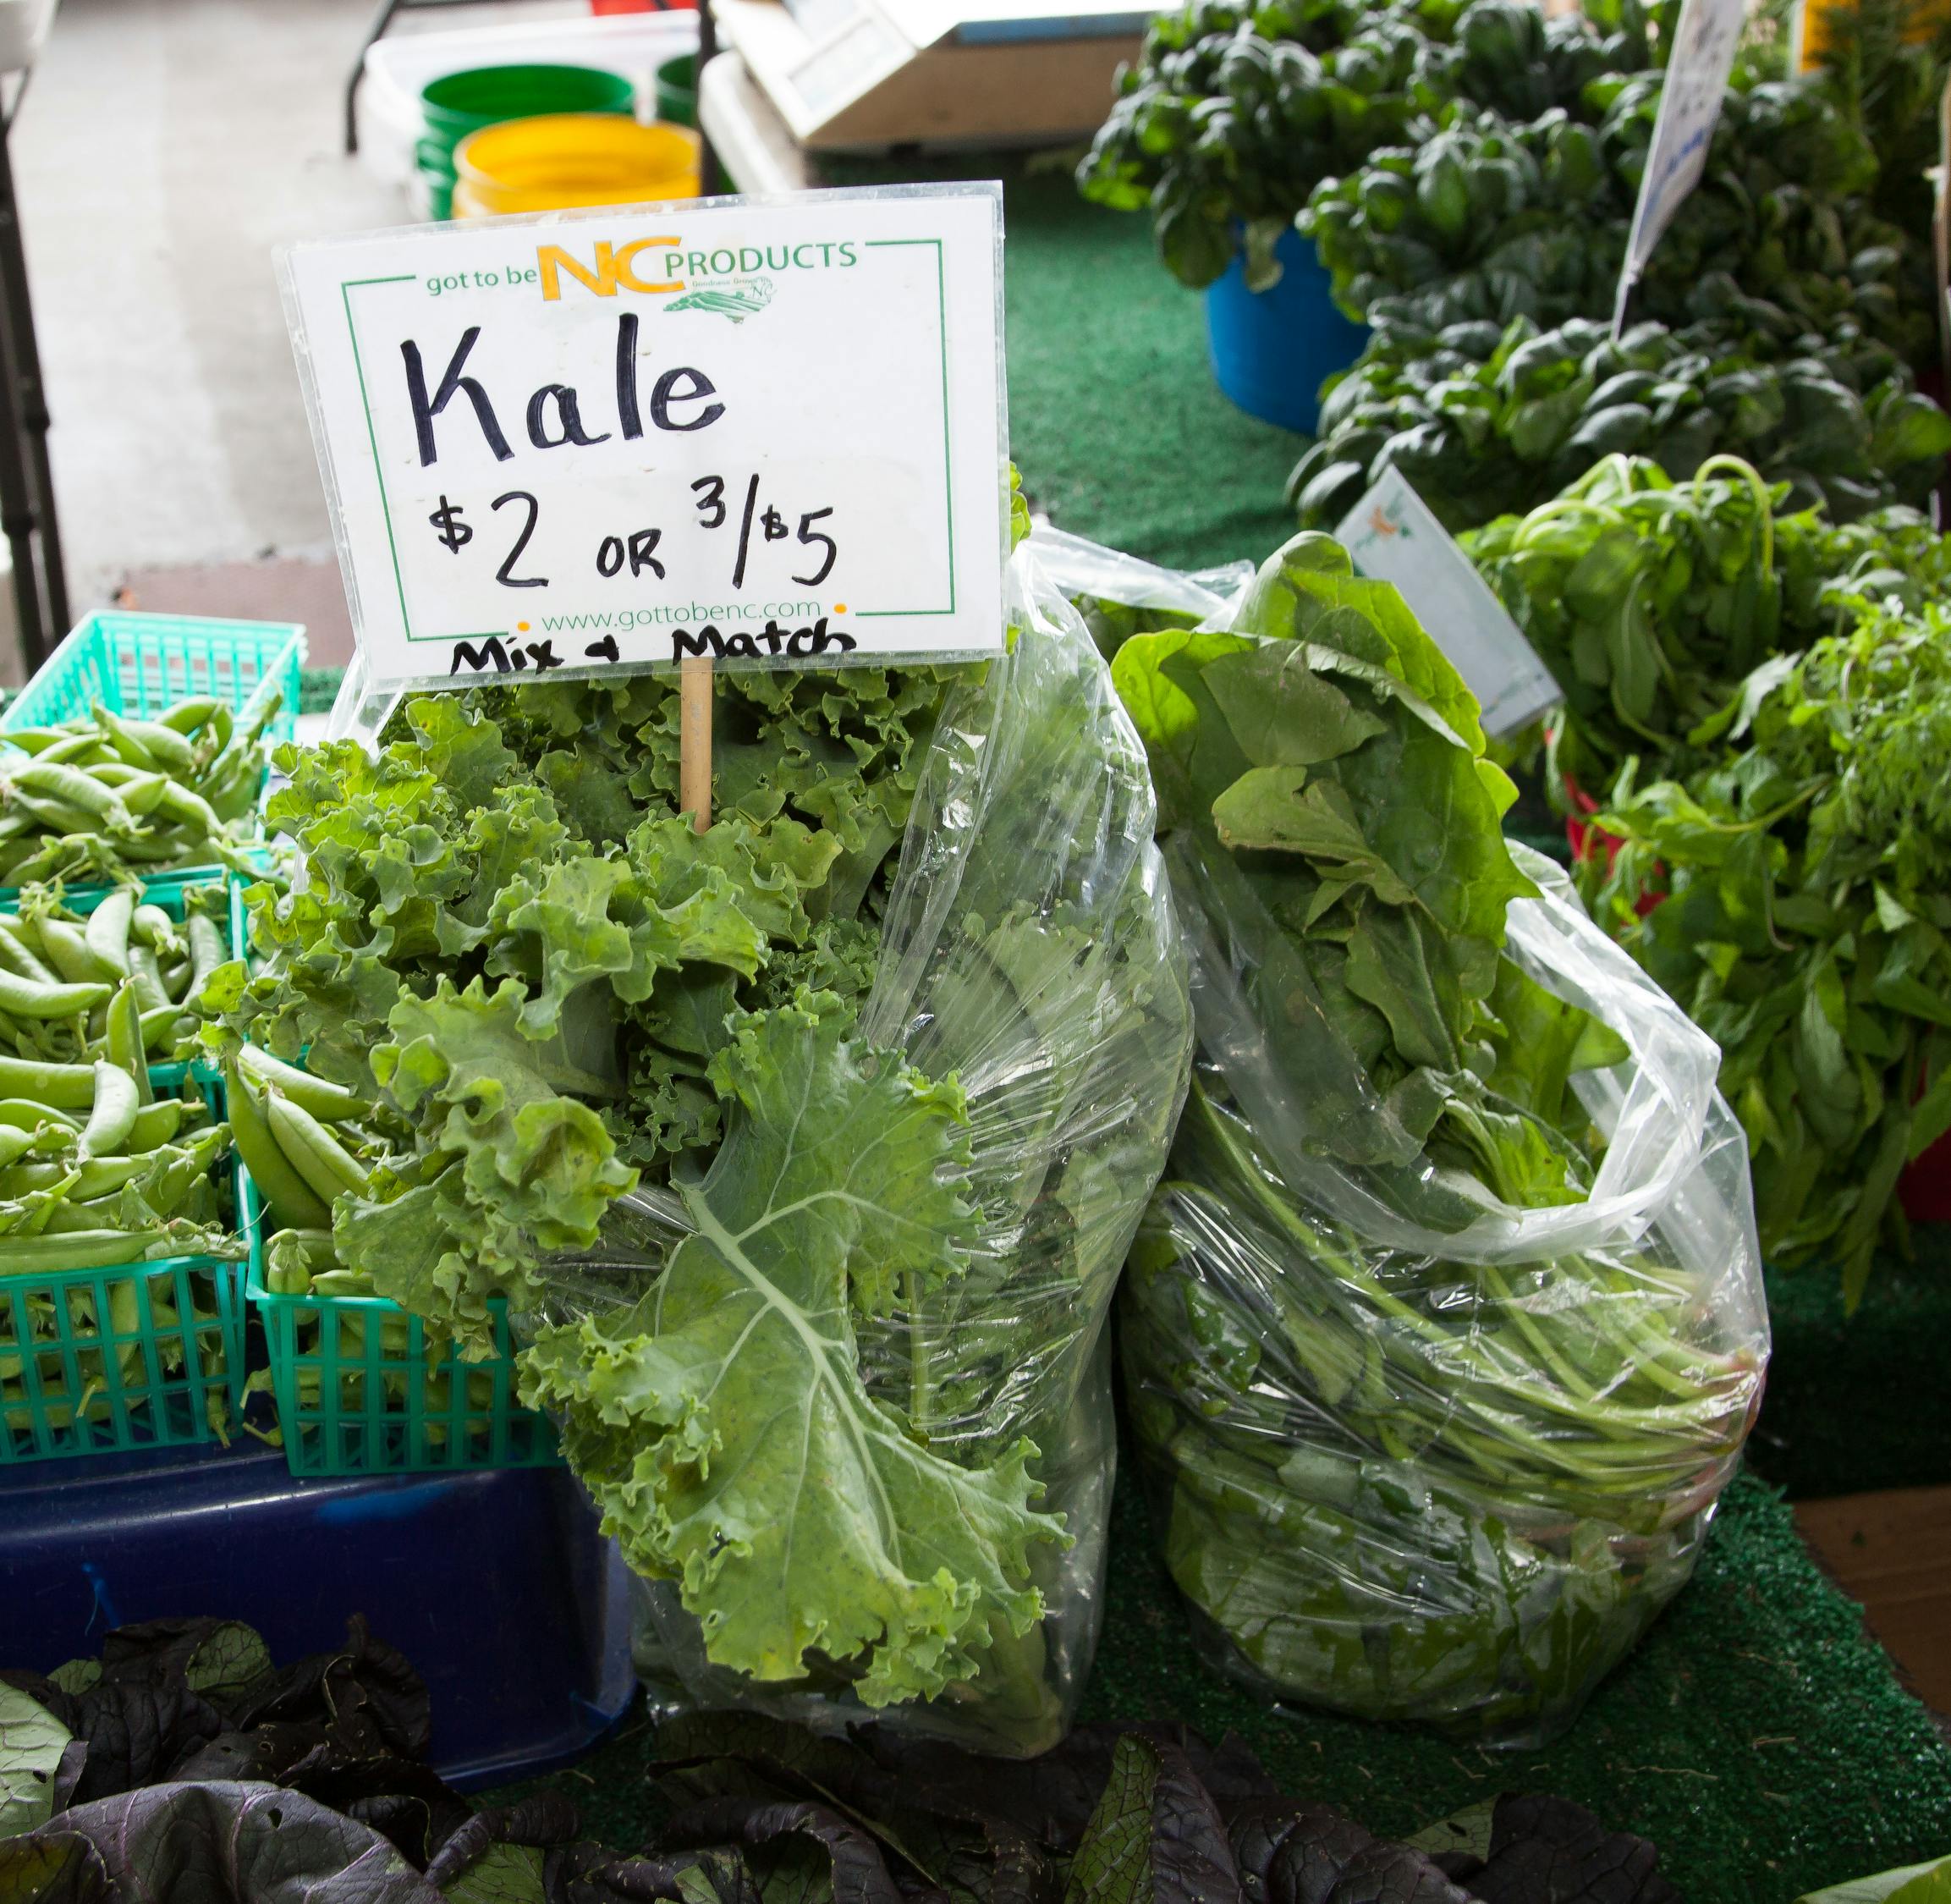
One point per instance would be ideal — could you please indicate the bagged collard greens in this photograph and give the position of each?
(1445, 1327)
(805, 1152)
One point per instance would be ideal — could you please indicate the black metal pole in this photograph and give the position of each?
(31, 392)
(19, 517)
(710, 175)
(381, 20)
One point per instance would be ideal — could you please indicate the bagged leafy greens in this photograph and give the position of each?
(805, 1152)
(1445, 1326)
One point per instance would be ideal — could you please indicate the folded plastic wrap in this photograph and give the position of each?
(1418, 1453)
(1029, 952)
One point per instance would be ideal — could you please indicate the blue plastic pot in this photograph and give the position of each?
(1271, 349)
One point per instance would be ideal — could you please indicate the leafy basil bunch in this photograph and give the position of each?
(1234, 114)
(1651, 600)
(1487, 419)
(1805, 889)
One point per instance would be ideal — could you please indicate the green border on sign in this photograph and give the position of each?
(348, 286)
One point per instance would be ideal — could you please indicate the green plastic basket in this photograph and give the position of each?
(140, 665)
(170, 891)
(98, 1362)
(349, 1401)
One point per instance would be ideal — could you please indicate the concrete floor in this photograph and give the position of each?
(165, 148)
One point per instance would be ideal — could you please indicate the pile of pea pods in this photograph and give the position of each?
(112, 797)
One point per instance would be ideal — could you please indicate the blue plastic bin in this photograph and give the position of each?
(1271, 349)
(497, 1586)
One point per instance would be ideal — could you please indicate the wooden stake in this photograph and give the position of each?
(695, 739)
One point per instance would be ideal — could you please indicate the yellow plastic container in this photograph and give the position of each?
(567, 159)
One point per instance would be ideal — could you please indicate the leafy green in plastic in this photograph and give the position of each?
(723, 1424)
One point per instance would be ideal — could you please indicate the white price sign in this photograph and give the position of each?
(756, 430)
(1703, 55)
(1393, 535)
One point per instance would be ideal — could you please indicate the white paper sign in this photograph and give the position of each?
(1697, 82)
(765, 429)
(1392, 535)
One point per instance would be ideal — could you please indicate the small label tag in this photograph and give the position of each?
(764, 431)
(1392, 537)
(1704, 46)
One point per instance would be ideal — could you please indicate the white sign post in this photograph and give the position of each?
(1393, 535)
(1703, 55)
(767, 431)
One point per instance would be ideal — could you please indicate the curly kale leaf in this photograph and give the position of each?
(723, 1423)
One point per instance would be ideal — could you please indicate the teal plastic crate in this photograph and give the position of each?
(358, 1391)
(140, 665)
(171, 891)
(105, 1360)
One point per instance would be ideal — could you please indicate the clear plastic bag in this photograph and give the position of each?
(1029, 951)
(1417, 1453)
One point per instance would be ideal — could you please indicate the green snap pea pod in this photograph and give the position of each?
(116, 1101)
(148, 743)
(72, 749)
(16, 956)
(55, 815)
(325, 1164)
(10, 1032)
(64, 1087)
(35, 740)
(153, 927)
(207, 950)
(289, 1278)
(12, 826)
(156, 1124)
(21, 998)
(164, 848)
(70, 952)
(107, 932)
(20, 1113)
(321, 1097)
(176, 978)
(159, 1027)
(15, 1144)
(24, 1180)
(101, 1176)
(60, 780)
(71, 1214)
(352, 1282)
(147, 976)
(194, 711)
(86, 1249)
(185, 806)
(141, 789)
(290, 1200)
(122, 1038)
(313, 1246)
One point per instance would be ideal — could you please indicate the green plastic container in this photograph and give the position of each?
(171, 893)
(140, 665)
(676, 90)
(99, 1361)
(349, 1404)
(463, 102)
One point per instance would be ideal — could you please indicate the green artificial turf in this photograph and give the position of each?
(1758, 1737)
